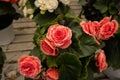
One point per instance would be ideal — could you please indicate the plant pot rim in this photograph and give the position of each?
(5, 21)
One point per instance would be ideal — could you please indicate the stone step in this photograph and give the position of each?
(20, 47)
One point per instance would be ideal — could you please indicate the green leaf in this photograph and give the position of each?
(85, 45)
(42, 19)
(117, 4)
(38, 53)
(39, 35)
(30, 4)
(52, 61)
(70, 66)
(112, 9)
(86, 68)
(88, 46)
(72, 17)
(101, 7)
(112, 51)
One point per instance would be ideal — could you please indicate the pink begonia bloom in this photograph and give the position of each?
(108, 29)
(105, 20)
(60, 35)
(52, 74)
(101, 61)
(101, 30)
(48, 47)
(29, 66)
(13, 1)
(90, 28)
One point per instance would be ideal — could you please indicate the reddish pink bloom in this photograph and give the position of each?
(101, 30)
(12, 1)
(48, 47)
(52, 74)
(101, 61)
(60, 35)
(29, 66)
(108, 29)
(6, 0)
(105, 20)
(90, 28)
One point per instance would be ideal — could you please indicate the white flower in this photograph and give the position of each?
(27, 11)
(22, 3)
(44, 5)
(66, 2)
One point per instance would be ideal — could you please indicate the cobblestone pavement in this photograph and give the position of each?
(22, 44)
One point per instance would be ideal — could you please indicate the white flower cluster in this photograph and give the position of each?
(26, 11)
(49, 5)
(44, 5)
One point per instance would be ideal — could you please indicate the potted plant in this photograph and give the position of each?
(67, 47)
(7, 14)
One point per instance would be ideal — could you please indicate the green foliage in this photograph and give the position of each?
(38, 53)
(41, 19)
(52, 61)
(85, 68)
(100, 6)
(83, 44)
(38, 35)
(70, 66)
(112, 50)
(97, 9)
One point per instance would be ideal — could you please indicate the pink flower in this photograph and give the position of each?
(60, 35)
(90, 28)
(101, 61)
(29, 66)
(105, 20)
(13, 1)
(52, 74)
(6, 0)
(101, 30)
(48, 47)
(108, 29)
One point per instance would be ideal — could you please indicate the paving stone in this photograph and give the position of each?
(7, 70)
(24, 31)
(23, 38)
(24, 24)
(14, 56)
(22, 20)
(20, 47)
